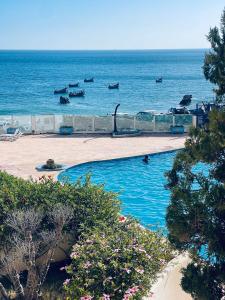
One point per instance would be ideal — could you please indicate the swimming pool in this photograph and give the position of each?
(140, 186)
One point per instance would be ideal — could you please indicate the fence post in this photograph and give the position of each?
(112, 119)
(33, 124)
(134, 122)
(154, 127)
(194, 121)
(74, 122)
(174, 120)
(54, 131)
(93, 124)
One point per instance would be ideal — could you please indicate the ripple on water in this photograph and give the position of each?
(140, 186)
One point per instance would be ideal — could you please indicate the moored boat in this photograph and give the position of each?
(186, 100)
(80, 93)
(64, 100)
(89, 79)
(159, 80)
(114, 86)
(61, 91)
(72, 85)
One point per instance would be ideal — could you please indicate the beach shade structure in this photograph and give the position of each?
(11, 134)
(186, 101)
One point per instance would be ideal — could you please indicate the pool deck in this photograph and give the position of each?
(19, 158)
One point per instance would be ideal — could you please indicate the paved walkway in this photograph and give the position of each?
(20, 158)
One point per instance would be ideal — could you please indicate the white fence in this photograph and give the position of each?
(37, 124)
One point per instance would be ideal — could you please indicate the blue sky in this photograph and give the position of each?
(107, 24)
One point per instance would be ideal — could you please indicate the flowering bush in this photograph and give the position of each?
(91, 204)
(118, 262)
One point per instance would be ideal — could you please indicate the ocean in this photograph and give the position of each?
(28, 79)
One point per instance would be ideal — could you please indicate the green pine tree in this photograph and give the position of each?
(196, 213)
(214, 64)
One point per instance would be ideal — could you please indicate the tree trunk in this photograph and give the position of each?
(3, 292)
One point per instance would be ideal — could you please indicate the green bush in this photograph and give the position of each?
(92, 205)
(119, 262)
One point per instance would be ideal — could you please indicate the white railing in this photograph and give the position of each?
(38, 124)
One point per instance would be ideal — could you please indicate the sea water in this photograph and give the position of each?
(28, 79)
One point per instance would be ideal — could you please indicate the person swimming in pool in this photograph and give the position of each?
(146, 159)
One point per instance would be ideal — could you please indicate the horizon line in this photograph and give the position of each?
(152, 49)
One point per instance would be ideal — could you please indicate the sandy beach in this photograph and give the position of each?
(19, 158)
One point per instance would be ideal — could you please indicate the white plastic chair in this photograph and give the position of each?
(11, 135)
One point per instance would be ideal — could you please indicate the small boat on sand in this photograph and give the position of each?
(113, 86)
(186, 100)
(159, 80)
(80, 93)
(61, 91)
(89, 79)
(64, 100)
(72, 85)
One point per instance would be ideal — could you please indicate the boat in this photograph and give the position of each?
(159, 80)
(61, 91)
(114, 86)
(80, 93)
(89, 79)
(186, 100)
(179, 111)
(64, 100)
(72, 85)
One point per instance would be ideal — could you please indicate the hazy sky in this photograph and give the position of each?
(107, 24)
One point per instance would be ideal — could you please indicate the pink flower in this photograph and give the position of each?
(73, 255)
(86, 298)
(66, 282)
(87, 265)
(62, 269)
(106, 297)
(134, 289)
(130, 292)
(122, 219)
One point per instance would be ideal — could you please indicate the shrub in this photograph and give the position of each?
(92, 206)
(119, 262)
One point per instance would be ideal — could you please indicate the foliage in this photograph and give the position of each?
(91, 204)
(214, 64)
(196, 214)
(119, 262)
(26, 244)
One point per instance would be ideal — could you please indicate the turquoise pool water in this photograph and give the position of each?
(140, 186)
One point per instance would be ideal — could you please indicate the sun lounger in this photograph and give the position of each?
(11, 134)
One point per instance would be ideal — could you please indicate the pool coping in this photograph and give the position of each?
(117, 159)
